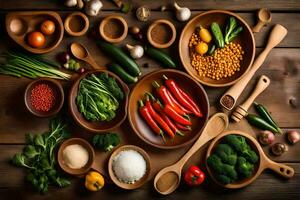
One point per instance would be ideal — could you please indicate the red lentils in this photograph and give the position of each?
(42, 97)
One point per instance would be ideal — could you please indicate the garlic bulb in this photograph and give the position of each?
(136, 51)
(70, 3)
(93, 7)
(182, 13)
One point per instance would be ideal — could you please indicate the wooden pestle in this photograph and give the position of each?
(276, 36)
(241, 110)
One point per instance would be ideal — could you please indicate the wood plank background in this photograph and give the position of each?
(282, 66)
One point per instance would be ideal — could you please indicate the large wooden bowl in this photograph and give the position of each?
(245, 39)
(188, 84)
(19, 24)
(263, 163)
(98, 126)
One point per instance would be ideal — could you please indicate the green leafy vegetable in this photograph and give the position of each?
(30, 66)
(106, 141)
(232, 30)
(39, 157)
(98, 97)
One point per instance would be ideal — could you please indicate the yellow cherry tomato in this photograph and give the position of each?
(201, 48)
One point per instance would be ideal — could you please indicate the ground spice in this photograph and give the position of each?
(42, 97)
(114, 29)
(161, 34)
(227, 101)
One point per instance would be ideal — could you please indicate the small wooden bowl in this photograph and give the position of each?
(113, 29)
(263, 163)
(19, 24)
(76, 24)
(245, 39)
(138, 183)
(142, 129)
(58, 93)
(98, 126)
(84, 144)
(158, 32)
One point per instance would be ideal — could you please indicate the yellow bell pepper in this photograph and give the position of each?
(94, 181)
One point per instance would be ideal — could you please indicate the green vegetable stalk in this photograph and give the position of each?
(232, 30)
(106, 141)
(38, 157)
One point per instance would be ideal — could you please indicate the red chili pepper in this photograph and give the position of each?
(183, 128)
(182, 97)
(170, 112)
(144, 111)
(177, 103)
(158, 119)
(194, 176)
(157, 106)
(163, 93)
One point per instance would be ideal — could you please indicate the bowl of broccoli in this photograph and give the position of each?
(233, 159)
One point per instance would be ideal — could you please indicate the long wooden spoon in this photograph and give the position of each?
(276, 36)
(167, 180)
(81, 53)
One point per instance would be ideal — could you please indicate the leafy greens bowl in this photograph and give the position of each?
(93, 104)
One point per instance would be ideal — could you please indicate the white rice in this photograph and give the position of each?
(129, 166)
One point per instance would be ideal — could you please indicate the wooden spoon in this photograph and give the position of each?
(264, 17)
(81, 53)
(276, 36)
(167, 180)
(263, 163)
(241, 110)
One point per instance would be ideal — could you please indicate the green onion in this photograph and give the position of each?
(30, 66)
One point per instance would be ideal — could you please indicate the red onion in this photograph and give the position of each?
(63, 57)
(266, 137)
(293, 136)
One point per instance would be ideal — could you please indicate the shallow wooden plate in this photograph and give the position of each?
(19, 24)
(245, 39)
(188, 84)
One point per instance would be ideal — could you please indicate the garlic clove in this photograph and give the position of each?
(93, 7)
(182, 13)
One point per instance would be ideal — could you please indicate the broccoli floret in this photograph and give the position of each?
(106, 141)
(240, 145)
(226, 153)
(244, 167)
(224, 179)
(215, 163)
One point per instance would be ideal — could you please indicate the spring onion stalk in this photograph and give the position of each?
(20, 64)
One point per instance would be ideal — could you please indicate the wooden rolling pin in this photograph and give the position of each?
(229, 99)
(241, 110)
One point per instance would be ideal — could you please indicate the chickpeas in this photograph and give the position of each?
(223, 63)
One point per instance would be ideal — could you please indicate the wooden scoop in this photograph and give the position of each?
(81, 53)
(167, 180)
(241, 110)
(264, 17)
(276, 36)
(263, 163)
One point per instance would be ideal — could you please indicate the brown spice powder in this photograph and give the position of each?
(113, 29)
(161, 33)
(227, 101)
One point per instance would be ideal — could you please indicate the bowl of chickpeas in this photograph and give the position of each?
(217, 48)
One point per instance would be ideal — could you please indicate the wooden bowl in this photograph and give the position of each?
(138, 183)
(19, 24)
(245, 39)
(189, 85)
(113, 29)
(58, 94)
(161, 33)
(263, 163)
(98, 126)
(85, 145)
(76, 24)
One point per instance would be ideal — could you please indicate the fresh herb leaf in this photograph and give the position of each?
(106, 141)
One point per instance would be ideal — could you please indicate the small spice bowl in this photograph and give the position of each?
(44, 86)
(113, 29)
(76, 24)
(161, 33)
(136, 184)
(84, 144)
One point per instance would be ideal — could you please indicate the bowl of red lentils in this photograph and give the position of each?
(225, 65)
(44, 97)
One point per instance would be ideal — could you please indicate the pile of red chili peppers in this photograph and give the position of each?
(171, 117)
(42, 97)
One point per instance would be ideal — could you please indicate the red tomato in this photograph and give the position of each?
(48, 27)
(194, 176)
(36, 39)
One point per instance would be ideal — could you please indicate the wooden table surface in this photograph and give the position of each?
(282, 98)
